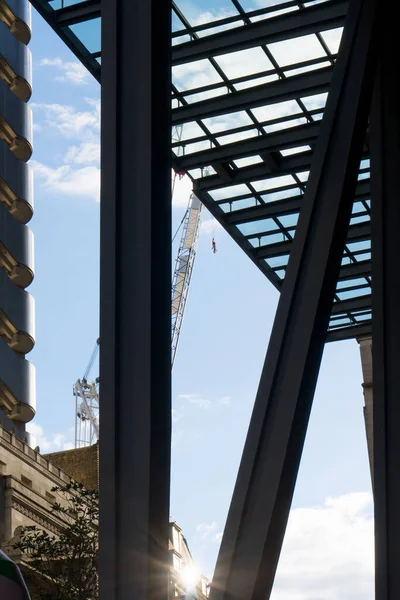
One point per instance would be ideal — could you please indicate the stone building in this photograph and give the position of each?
(83, 465)
(26, 481)
(366, 364)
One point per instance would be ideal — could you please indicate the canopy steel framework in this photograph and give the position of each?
(255, 132)
(277, 142)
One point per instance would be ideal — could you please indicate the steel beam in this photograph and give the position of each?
(385, 214)
(263, 492)
(348, 333)
(285, 206)
(353, 304)
(78, 13)
(135, 301)
(280, 140)
(358, 232)
(267, 31)
(297, 86)
(68, 37)
(287, 165)
(354, 270)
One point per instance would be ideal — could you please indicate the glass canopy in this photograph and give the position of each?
(250, 81)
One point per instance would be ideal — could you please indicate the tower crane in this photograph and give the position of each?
(87, 394)
(184, 260)
(184, 268)
(87, 405)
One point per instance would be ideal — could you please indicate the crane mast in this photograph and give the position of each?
(184, 268)
(87, 406)
(87, 394)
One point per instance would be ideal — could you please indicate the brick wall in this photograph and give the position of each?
(81, 464)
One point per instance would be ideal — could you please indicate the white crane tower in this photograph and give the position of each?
(87, 406)
(87, 394)
(184, 268)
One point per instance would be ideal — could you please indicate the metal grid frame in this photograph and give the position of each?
(248, 139)
(269, 160)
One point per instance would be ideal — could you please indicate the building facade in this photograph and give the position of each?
(26, 498)
(366, 364)
(186, 581)
(17, 319)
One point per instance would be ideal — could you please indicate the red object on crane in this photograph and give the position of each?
(181, 174)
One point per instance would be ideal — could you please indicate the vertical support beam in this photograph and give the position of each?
(264, 488)
(135, 306)
(385, 215)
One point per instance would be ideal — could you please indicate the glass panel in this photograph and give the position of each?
(89, 33)
(257, 226)
(245, 62)
(351, 282)
(298, 49)
(332, 39)
(278, 261)
(354, 293)
(56, 4)
(289, 220)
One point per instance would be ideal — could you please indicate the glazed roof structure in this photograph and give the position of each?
(250, 80)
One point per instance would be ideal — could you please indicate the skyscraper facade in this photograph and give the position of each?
(17, 318)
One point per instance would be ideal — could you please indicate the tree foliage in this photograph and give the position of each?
(66, 562)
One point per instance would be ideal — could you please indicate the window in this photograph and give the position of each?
(176, 563)
(176, 539)
(26, 481)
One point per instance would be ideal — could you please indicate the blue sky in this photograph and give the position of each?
(226, 328)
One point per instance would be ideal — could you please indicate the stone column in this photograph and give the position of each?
(366, 363)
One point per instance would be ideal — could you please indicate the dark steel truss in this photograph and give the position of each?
(385, 159)
(279, 153)
(253, 167)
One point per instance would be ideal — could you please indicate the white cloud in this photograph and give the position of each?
(182, 189)
(210, 226)
(83, 181)
(225, 400)
(85, 153)
(328, 551)
(80, 175)
(204, 530)
(70, 122)
(196, 399)
(71, 72)
(53, 443)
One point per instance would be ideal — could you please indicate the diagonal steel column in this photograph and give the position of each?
(135, 293)
(385, 215)
(263, 493)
